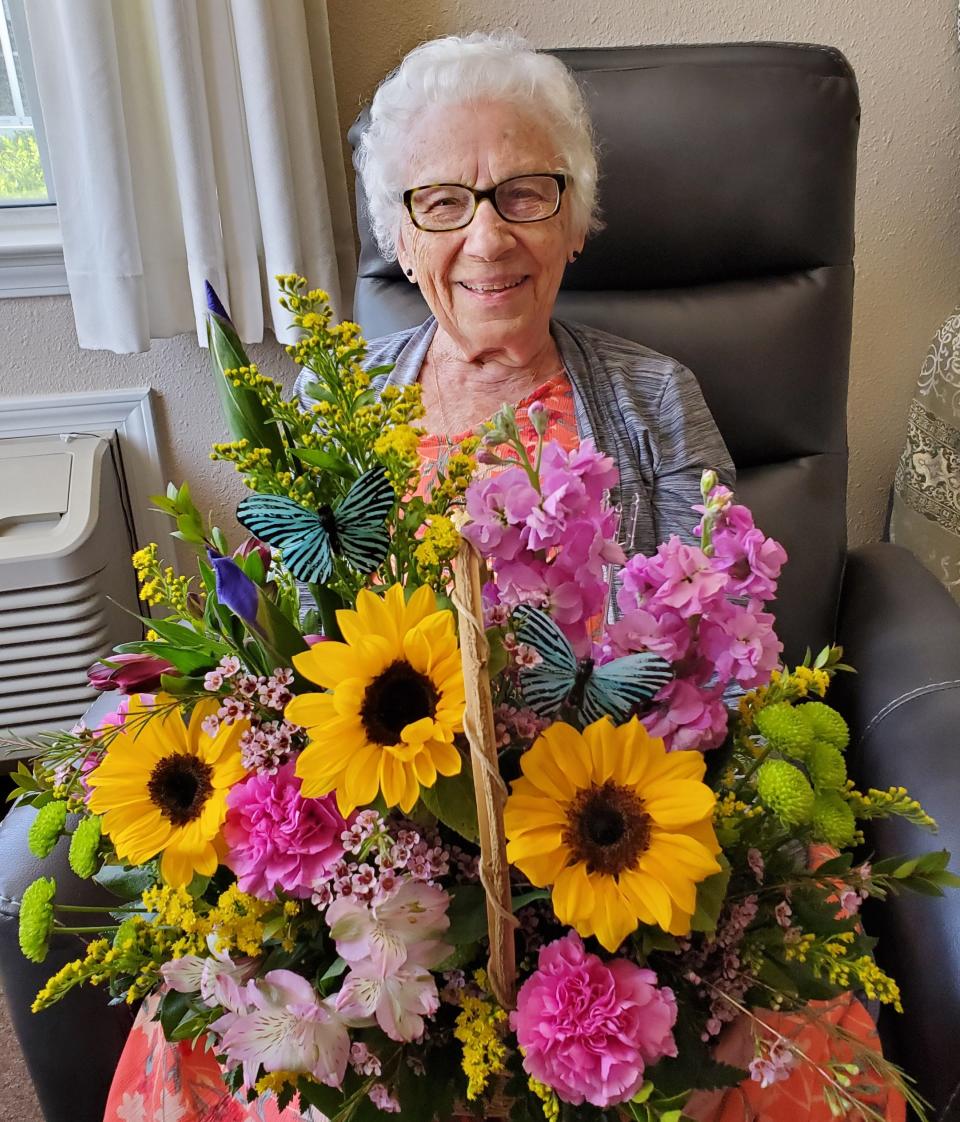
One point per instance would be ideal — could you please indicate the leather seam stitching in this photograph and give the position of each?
(953, 1095)
(912, 695)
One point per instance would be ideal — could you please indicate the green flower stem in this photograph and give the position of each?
(83, 908)
(751, 769)
(85, 930)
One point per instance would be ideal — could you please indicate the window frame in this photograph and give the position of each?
(31, 246)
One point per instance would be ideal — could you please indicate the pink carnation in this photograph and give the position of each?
(276, 839)
(588, 1028)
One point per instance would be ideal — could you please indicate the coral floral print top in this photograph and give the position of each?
(160, 1082)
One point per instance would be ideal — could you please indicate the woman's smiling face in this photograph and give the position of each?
(492, 285)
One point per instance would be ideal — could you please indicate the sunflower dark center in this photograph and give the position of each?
(607, 828)
(397, 697)
(179, 787)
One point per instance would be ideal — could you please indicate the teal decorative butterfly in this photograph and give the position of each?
(614, 689)
(308, 540)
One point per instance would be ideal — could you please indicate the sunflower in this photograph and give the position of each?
(622, 829)
(162, 787)
(395, 702)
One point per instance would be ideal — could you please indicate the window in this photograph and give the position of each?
(31, 257)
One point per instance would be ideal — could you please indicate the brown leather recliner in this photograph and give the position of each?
(728, 176)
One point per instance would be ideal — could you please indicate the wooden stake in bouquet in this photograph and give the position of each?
(491, 791)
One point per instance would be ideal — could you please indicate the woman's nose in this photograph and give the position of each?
(488, 235)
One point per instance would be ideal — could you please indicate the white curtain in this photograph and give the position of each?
(191, 140)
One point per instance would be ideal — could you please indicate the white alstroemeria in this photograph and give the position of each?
(404, 927)
(397, 1003)
(216, 977)
(286, 1027)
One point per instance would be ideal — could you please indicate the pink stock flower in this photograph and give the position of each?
(686, 580)
(397, 1003)
(286, 1027)
(659, 629)
(588, 1028)
(752, 560)
(276, 839)
(687, 717)
(404, 927)
(740, 643)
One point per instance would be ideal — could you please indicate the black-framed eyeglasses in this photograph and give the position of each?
(451, 206)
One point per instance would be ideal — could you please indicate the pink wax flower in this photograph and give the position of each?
(687, 717)
(286, 1026)
(129, 673)
(276, 839)
(740, 643)
(588, 1028)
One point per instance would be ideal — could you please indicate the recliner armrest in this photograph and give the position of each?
(71, 1049)
(900, 629)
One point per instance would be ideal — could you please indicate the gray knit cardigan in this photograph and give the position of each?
(641, 408)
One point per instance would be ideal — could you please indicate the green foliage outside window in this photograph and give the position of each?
(21, 173)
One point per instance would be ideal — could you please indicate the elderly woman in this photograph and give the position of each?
(481, 177)
(480, 174)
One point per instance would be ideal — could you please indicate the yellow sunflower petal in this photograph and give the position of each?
(678, 803)
(446, 759)
(543, 869)
(310, 709)
(558, 762)
(392, 779)
(425, 769)
(360, 776)
(573, 894)
(648, 896)
(612, 917)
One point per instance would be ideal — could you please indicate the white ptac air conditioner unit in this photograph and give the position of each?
(65, 545)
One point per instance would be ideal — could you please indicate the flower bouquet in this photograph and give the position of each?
(449, 802)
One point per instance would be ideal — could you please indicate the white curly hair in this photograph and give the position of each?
(456, 70)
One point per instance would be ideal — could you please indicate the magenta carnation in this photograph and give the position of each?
(588, 1028)
(276, 839)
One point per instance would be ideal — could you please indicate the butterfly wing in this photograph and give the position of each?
(297, 532)
(362, 537)
(545, 686)
(616, 688)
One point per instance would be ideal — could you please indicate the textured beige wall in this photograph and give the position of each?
(908, 221)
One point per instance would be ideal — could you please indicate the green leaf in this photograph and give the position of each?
(328, 461)
(498, 658)
(182, 635)
(467, 914)
(453, 800)
(711, 894)
(186, 661)
(174, 1008)
(244, 413)
(127, 884)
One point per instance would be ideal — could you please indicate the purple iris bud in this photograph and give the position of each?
(213, 301)
(235, 590)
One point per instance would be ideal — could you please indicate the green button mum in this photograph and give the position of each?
(36, 918)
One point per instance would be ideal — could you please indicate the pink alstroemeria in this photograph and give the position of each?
(405, 927)
(216, 977)
(397, 1003)
(286, 1027)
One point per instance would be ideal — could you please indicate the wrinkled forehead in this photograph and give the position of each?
(478, 144)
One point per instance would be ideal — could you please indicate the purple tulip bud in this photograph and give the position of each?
(213, 301)
(235, 590)
(129, 673)
(312, 639)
